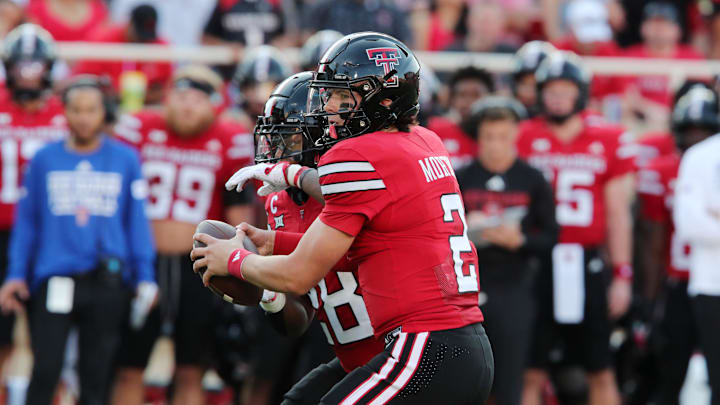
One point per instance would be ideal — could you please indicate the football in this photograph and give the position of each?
(229, 288)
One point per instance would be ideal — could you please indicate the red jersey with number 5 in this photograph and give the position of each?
(656, 191)
(22, 133)
(578, 171)
(337, 298)
(396, 193)
(186, 175)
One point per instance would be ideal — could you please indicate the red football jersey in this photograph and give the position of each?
(461, 147)
(186, 175)
(22, 133)
(652, 146)
(396, 192)
(656, 190)
(337, 298)
(578, 171)
(39, 12)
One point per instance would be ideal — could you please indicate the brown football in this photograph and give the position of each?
(229, 288)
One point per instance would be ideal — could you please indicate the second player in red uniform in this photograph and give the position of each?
(592, 184)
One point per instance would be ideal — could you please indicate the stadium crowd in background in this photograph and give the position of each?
(590, 137)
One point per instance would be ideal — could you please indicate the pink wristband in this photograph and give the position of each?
(623, 271)
(235, 261)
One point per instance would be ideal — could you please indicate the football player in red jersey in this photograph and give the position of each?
(186, 154)
(592, 184)
(282, 136)
(393, 208)
(30, 117)
(665, 257)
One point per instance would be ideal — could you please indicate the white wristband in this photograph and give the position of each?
(292, 171)
(272, 302)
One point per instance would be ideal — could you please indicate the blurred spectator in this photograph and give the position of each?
(124, 75)
(187, 154)
(485, 30)
(666, 257)
(552, 12)
(68, 20)
(255, 78)
(592, 184)
(467, 86)
(590, 34)
(348, 16)
(245, 24)
(521, 15)
(526, 61)
(30, 116)
(12, 14)
(180, 22)
(315, 47)
(629, 34)
(650, 96)
(511, 220)
(441, 24)
(80, 239)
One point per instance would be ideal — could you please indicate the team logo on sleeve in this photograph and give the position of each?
(387, 58)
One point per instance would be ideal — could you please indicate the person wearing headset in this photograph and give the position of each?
(80, 239)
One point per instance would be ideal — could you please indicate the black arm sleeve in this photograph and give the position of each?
(540, 227)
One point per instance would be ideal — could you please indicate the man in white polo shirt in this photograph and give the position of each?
(697, 220)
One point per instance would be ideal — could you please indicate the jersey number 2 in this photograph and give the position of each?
(459, 243)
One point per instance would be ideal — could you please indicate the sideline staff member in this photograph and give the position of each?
(511, 219)
(81, 233)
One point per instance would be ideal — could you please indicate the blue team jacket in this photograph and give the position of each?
(79, 208)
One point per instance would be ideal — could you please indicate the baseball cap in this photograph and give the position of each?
(588, 21)
(658, 9)
(144, 21)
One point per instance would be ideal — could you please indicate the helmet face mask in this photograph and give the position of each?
(558, 67)
(28, 56)
(283, 132)
(695, 116)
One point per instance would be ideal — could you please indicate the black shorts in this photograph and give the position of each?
(185, 312)
(7, 322)
(587, 343)
(452, 366)
(314, 386)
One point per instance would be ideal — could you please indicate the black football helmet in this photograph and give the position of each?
(283, 131)
(315, 47)
(563, 65)
(374, 67)
(261, 64)
(28, 55)
(695, 116)
(528, 58)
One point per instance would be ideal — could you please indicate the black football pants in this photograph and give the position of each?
(449, 367)
(675, 341)
(98, 312)
(707, 314)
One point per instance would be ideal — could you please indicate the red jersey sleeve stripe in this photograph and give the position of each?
(350, 186)
(345, 167)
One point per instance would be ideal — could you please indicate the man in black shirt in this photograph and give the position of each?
(511, 219)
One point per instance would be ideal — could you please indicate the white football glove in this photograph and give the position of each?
(275, 177)
(142, 303)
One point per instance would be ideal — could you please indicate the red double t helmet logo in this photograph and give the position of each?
(387, 58)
